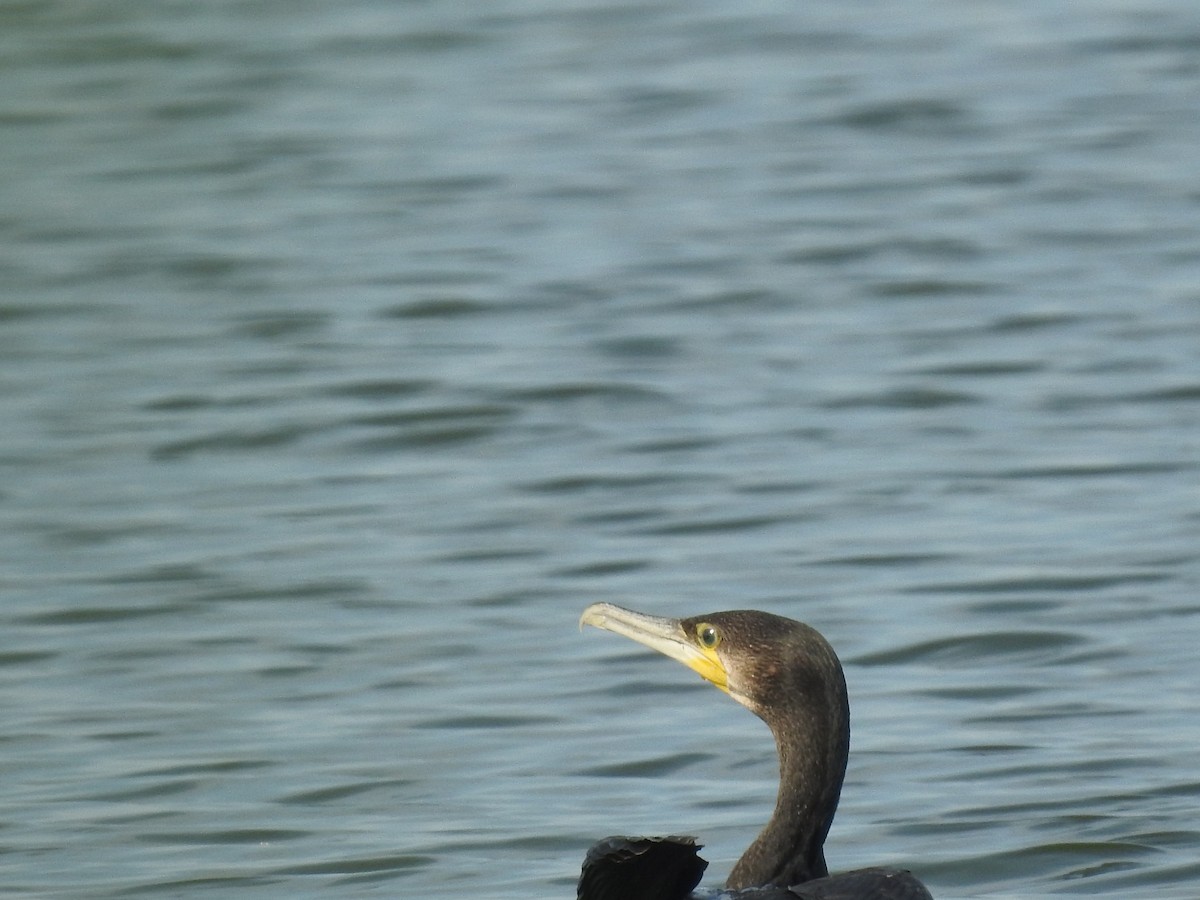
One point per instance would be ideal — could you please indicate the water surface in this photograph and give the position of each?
(348, 351)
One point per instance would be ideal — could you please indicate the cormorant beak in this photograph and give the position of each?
(660, 633)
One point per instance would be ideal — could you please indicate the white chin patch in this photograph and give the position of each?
(742, 699)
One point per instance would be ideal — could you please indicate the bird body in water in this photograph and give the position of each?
(787, 674)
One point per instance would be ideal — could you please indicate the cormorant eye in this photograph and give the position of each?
(708, 636)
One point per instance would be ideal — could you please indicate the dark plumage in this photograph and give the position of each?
(787, 674)
(623, 868)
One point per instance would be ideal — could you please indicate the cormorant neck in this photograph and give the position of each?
(813, 747)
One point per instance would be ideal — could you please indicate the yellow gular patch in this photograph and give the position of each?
(709, 667)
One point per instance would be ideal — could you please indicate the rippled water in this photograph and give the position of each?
(347, 351)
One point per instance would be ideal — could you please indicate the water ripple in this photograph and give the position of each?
(655, 767)
(393, 864)
(228, 836)
(1026, 646)
(322, 796)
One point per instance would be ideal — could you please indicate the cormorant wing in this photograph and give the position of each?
(641, 868)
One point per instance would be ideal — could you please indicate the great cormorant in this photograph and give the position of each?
(787, 674)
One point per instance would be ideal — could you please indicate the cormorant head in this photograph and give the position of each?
(769, 664)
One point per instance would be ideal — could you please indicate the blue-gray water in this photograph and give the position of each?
(348, 350)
